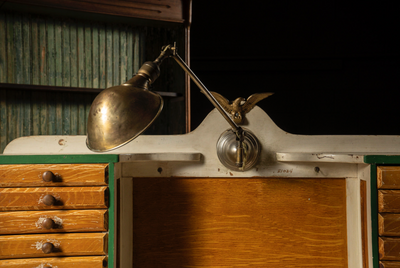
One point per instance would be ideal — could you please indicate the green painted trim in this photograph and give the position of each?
(382, 159)
(374, 217)
(58, 159)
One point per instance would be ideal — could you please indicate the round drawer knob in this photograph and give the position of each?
(48, 224)
(49, 200)
(47, 247)
(48, 176)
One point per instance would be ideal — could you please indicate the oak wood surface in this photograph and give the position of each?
(66, 175)
(66, 198)
(63, 262)
(389, 264)
(75, 244)
(388, 177)
(230, 222)
(388, 201)
(25, 222)
(389, 248)
(364, 222)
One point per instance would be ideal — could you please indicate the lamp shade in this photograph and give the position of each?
(121, 113)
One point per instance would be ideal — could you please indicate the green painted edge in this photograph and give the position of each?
(374, 217)
(382, 159)
(58, 159)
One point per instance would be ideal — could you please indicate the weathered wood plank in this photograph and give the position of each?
(123, 56)
(68, 262)
(388, 177)
(59, 63)
(3, 48)
(116, 56)
(389, 248)
(230, 222)
(26, 49)
(35, 46)
(73, 54)
(109, 56)
(129, 52)
(66, 54)
(10, 48)
(95, 52)
(388, 201)
(3, 120)
(66, 115)
(31, 222)
(43, 51)
(26, 246)
(18, 49)
(102, 56)
(65, 175)
(51, 52)
(88, 56)
(15, 199)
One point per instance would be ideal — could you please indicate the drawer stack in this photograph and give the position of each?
(52, 211)
(389, 215)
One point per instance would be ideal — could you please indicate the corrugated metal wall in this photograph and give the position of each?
(44, 50)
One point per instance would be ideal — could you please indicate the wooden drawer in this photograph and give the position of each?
(64, 198)
(389, 248)
(27, 246)
(60, 221)
(389, 224)
(68, 262)
(64, 175)
(389, 264)
(388, 201)
(388, 177)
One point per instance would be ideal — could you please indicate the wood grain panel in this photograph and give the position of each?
(26, 246)
(389, 201)
(389, 248)
(66, 175)
(389, 224)
(389, 264)
(67, 262)
(25, 222)
(66, 198)
(388, 177)
(255, 222)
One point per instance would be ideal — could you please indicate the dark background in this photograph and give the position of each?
(333, 65)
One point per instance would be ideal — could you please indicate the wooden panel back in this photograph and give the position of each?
(66, 198)
(389, 264)
(66, 175)
(388, 177)
(68, 262)
(26, 246)
(30, 222)
(230, 222)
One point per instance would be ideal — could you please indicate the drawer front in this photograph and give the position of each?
(389, 248)
(389, 264)
(389, 224)
(61, 175)
(388, 201)
(388, 177)
(53, 198)
(68, 262)
(53, 221)
(48, 245)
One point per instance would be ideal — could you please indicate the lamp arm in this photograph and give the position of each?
(206, 92)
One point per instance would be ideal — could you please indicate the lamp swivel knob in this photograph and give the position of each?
(48, 176)
(47, 248)
(49, 200)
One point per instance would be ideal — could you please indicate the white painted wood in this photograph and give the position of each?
(319, 158)
(167, 157)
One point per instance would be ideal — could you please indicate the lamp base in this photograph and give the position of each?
(228, 146)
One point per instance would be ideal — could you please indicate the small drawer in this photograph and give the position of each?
(389, 224)
(53, 198)
(60, 221)
(51, 245)
(388, 177)
(388, 201)
(389, 264)
(389, 249)
(68, 262)
(53, 175)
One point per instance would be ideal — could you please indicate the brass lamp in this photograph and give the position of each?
(119, 114)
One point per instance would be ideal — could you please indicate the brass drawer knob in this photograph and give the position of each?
(49, 200)
(47, 248)
(48, 176)
(48, 224)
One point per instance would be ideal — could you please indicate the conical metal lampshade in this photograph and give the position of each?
(121, 113)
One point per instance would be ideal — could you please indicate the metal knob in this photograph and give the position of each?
(48, 224)
(48, 176)
(49, 200)
(47, 248)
